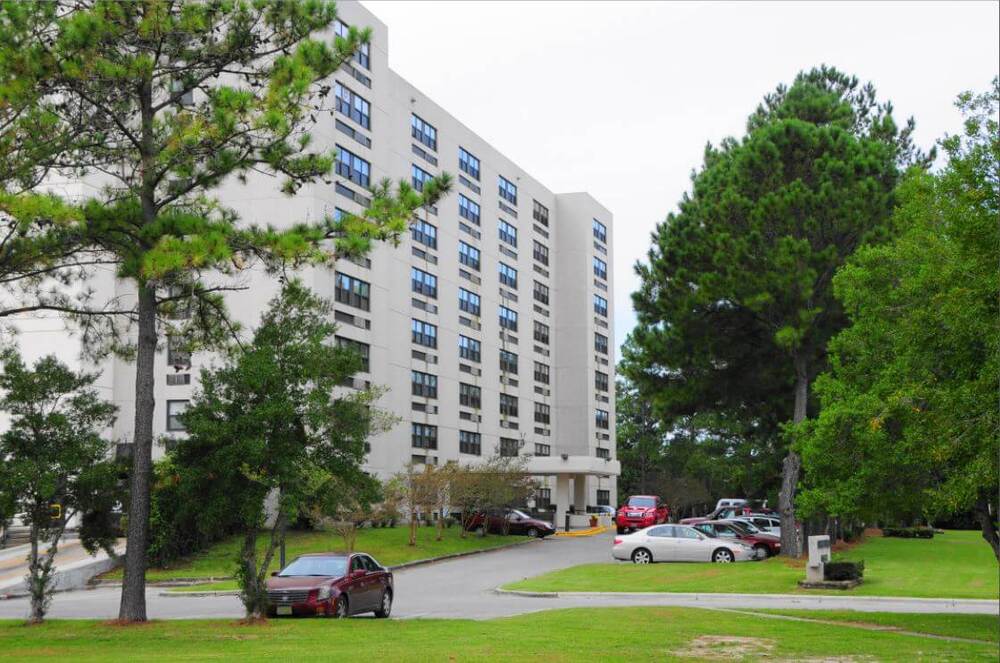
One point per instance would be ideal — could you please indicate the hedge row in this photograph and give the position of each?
(909, 532)
(843, 570)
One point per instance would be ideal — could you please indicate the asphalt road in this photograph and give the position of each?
(464, 588)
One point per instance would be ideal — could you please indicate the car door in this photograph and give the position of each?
(376, 581)
(357, 585)
(694, 547)
(661, 543)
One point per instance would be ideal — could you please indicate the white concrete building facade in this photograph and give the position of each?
(490, 324)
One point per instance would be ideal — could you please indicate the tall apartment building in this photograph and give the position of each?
(490, 324)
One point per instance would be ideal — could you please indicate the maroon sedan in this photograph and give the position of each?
(764, 545)
(331, 584)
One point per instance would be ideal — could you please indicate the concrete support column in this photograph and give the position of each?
(580, 493)
(561, 499)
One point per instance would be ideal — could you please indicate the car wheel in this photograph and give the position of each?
(343, 607)
(386, 605)
(641, 556)
(763, 552)
(723, 556)
(532, 532)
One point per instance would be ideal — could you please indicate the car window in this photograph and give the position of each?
(685, 533)
(642, 501)
(514, 513)
(726, 531)
(315, 566)
(370, 563)
(663, 531)
(707, 529)
(356, 563)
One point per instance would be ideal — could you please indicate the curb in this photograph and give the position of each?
(944, 602)
(397, 567)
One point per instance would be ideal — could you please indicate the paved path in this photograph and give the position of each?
(464, 588)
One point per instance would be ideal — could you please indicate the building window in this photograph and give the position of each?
(543, 496)
(352, 105)
(508, 275)
(174, 411)
(353, 292)
(542, 332)
(541, 372)
(601, 419)
(600, 231)
(509, 446)
(470, 395)
(468, 301)
(542, 413)
(363, 56)
(508, 233)
(507, 190)
(540, 213)
(541, 293)
(600, 268)
(177, 355)
(424, 436)
(419, 176)
(603, 453)
(423, 283)
(601, 343)
(603, 497)
(542, 450)
(423, 384)
(423, 132)
(468, 255)
(508, 362)
(425, 233)
(468, 163)
(424, 333)
(600, 381)
(541, 253)
(508, 405)
(469, 348)
(600, 306)
(470, 443)
(468, 209)
(353, 167)
(508, 318)
(362, 349)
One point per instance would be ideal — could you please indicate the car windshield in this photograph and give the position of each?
(315, 566)
(642, 501)
(745, 527)
(514, 513)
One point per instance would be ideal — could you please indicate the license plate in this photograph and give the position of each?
(284, 610)
(634, 515)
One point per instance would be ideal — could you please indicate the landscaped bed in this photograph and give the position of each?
(388, 545)
(652, 634)
(956, 564)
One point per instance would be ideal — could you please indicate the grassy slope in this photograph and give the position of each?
(387, 545)
(564, 635)
(953, 565)
(975, 627)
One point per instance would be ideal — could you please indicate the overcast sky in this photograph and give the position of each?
(619, 98)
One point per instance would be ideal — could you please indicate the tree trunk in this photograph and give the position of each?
(792, 464)
(36, 587)
(133, 602)
(413, 528)
(252, 594)
(987, 521)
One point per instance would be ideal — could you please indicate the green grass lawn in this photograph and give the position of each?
(956, 564)
(974, 627)
(388, 545)
(592, 634)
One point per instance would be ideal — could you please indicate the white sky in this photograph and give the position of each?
(619, 98)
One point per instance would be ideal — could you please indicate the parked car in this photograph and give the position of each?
(678, 543)
(725, 513)
(331, 584)
(517, 522)
(764, 545)
(641, 511)
(763, 523)
(729, 501)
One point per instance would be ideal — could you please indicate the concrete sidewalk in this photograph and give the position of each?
(74, 566)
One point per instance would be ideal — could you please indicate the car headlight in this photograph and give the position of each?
(324, 594)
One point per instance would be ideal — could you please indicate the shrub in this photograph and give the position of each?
(843, 570)
(909, 532)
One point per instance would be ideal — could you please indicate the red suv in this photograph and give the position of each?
(764, 545)
(641, 511)
(332, 584)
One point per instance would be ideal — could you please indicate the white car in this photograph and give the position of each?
(765, 524)
(678, 543)
(729, 502)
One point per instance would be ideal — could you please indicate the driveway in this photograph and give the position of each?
(464, 588)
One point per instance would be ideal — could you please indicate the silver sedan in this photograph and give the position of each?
(678, 543)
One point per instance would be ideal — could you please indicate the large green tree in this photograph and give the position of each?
(909, 421)
(735, 305)
(268, 421)
(157, 103)
(55, 467)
